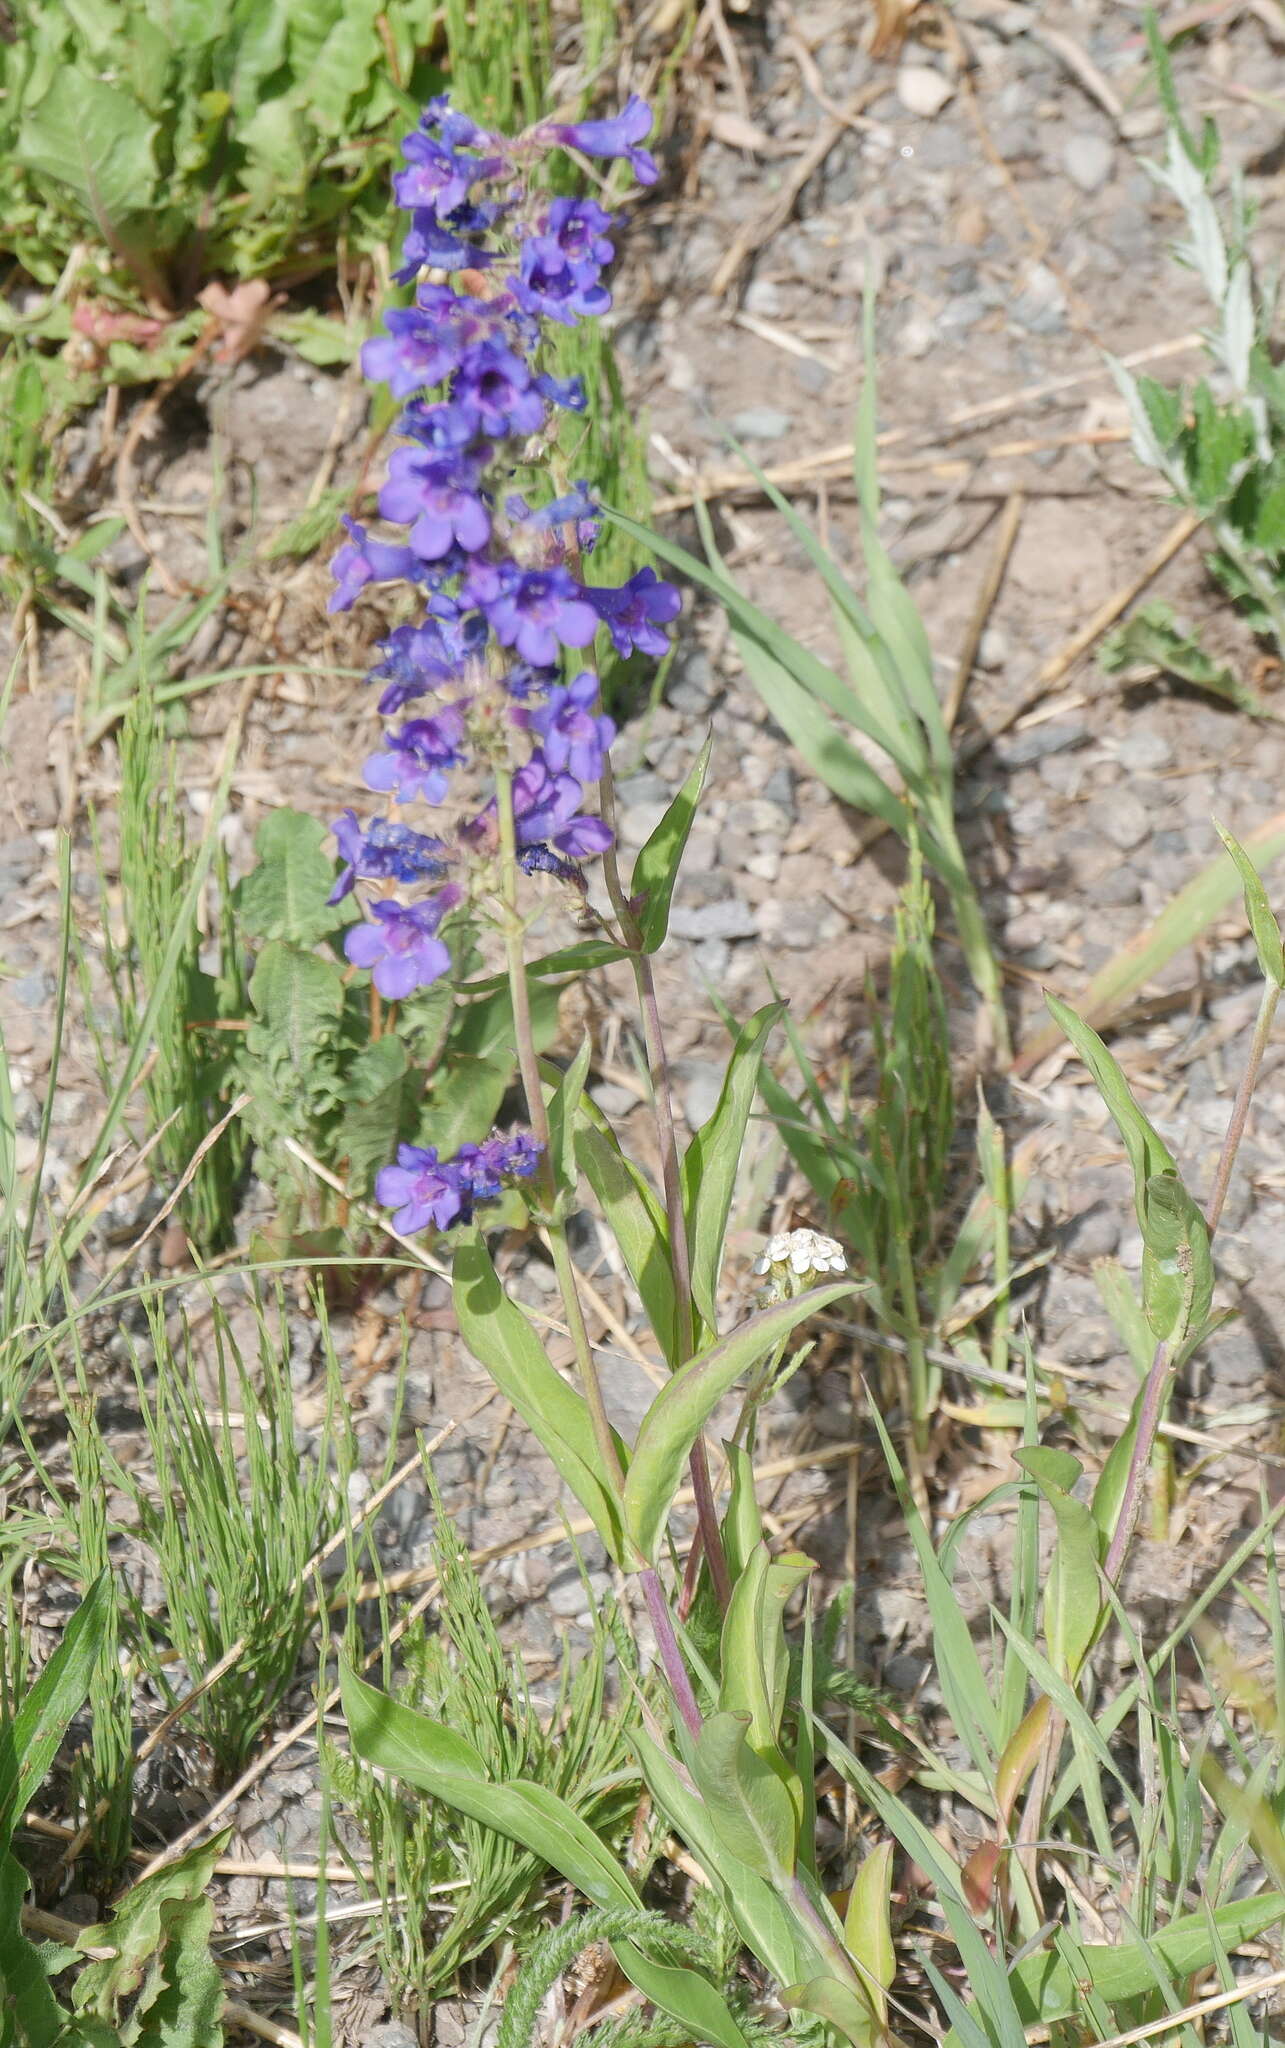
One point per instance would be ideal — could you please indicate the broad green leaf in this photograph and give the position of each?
(1192, 911)
(368, 1129)
(284, 895)
(97, 142)
(749, 1806)
(298, 999)
(31, 1740)
(501, 1339)
(656, 869)
(1177, 1266)
(772, 1933)
(837, 2003)
(1125, 1310)
(1045, 1989)
(712, 1161)
(162, 1985)
(1148, 1153)
(28, 1999)
(637, 1222)
(1072, 1595)
(754, 1663)
(432, 1757)
(1262, 921)
(867, 1924)
(680, 1411)
(464, 1100)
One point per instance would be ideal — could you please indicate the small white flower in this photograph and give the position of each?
(792, 1259)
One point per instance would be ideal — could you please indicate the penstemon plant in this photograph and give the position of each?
(496, 667)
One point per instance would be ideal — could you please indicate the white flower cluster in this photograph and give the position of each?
(793, 1259)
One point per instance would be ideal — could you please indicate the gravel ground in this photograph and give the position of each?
(1006, 210)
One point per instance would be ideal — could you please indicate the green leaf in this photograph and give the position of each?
(298, 1000)
(161, 1988)
(1177, 1265)
(1046, 1991)
(1148, 1153)
(97, 142)
(31, 1740)
(743, 1522)
(1219, 440)
(27, 1996)
(754, 1663)
(465, 1100)
(680, 1411)
(1072, 1593)
(636, 1220)
(713, 1158)
(749, 1805)
(432, 1757)
(836, 2002)
(1153, 639)
(867, 1925)
(284, 896)
(501, 1339)
(1262, 922)
(563, 1103)
(367, 1133)
(651, 885)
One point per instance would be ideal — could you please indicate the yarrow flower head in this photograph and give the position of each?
(488, 659)
(794, 1260)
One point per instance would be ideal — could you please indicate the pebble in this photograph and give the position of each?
(1143, 752)
(729, 919)
(1040, 306)
(1088, 161)
(639, 821)
(1040, 740)
(702, 1085)
(923, 90)
(1121, 817)
(761, 423)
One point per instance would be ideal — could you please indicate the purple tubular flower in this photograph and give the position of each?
(444, 428)
(430, 246)
(384, 852)
(362, 561)
(577, 226)
(456, 130)
(439, 493)
(573, 510)
(544, 811)
(575, 736)
(619, 136)
(420, 1191)
(421, 658)
(536, 611)
(415, 760)
(497, 389)
(401, 946)
(428, 340)
(437, 177)
(550, 286)
(635, 614)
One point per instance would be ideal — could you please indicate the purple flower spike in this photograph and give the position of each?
(575, 736)
(416, 759)
(618, 136)
(364, 561)
(420, 1192)
(401, 947)
(635, 614)
(536, 610)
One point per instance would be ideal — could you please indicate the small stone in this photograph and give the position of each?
(702, 1085)
(923, 90)
(1088, 161)
(1038, 741)
(1143, 752)
(730, 919)
(993, 649)
(1117, 888)
(639, 821)
(1122, 817)
(917, 336)
(761, 423)
(710, 962)
(1040, 306)
(31, 990)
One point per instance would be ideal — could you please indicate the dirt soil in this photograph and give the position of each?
(992, 178)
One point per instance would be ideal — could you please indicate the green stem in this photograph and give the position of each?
(528, 1067)
(1240, 1108)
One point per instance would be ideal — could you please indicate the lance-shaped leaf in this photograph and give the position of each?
(867, 1926)
(656, 868)
(750, 1808)
(1148, 1153)
(1072, 1595)
(680, 1411)
(1177, 1265)
(713, 1157)
(755, 1661)
(30, 1742)
(501, 1339)
(636, 1220)
(1262, 921)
